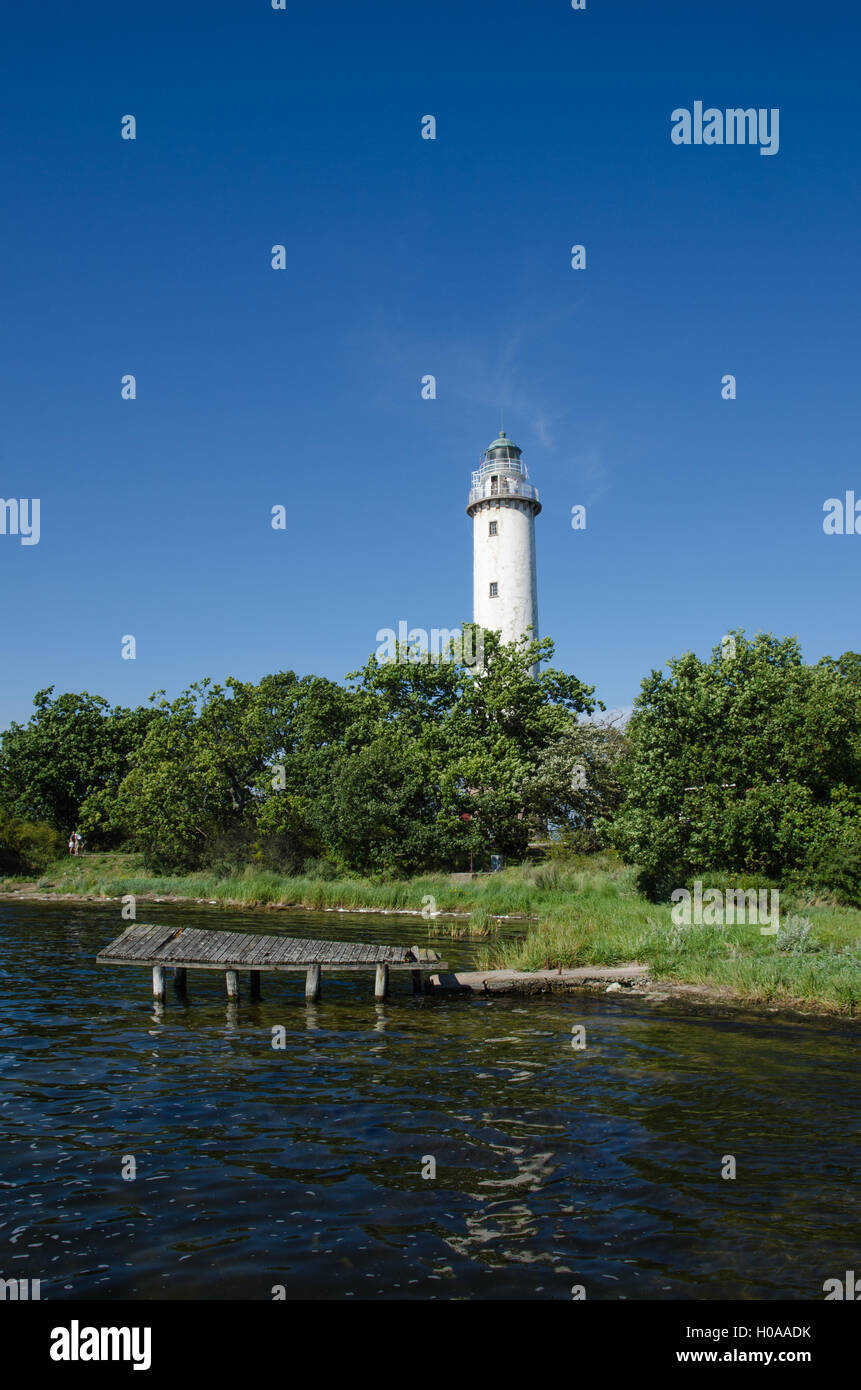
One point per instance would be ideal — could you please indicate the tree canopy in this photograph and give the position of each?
(748, 762)
(409, 765)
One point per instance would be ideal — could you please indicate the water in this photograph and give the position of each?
(303, 1167)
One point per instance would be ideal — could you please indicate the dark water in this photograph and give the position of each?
(302, 1167)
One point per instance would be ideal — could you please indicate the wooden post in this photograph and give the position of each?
(381, 983)
(180, 979)
(254, 981)
(417, 981)
(232, 978)
(158, 982)
(312, 982)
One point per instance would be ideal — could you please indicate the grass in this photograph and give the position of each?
(522, 891)
(611, 926)
(587, 911)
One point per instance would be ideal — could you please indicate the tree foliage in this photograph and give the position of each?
(749, 762)
(410, 765)
(191, 795)
(75, 750)
(416, 763)
(575, 785)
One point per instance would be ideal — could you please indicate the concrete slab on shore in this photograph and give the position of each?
(538, 981)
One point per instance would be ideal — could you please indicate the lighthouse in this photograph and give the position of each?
(503, 505)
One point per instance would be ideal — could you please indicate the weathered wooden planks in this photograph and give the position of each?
(141, 943)
(219, 950)
(196, 948)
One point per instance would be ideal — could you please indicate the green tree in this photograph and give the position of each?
(576, 782)
(731, 763)
(73, 753)
(409, 766)
(499, 731)
(192, 793)
(434, 757)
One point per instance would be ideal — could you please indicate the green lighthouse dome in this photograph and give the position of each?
(503, 442)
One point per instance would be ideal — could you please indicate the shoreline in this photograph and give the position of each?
(631, 981)
(26, 895)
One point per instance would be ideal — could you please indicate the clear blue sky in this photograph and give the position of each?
(407, 257)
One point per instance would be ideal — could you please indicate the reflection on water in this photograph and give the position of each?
(302, 1166)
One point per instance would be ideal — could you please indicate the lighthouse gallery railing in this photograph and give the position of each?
(503, 487)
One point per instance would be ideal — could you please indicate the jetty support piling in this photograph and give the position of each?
(181, 949)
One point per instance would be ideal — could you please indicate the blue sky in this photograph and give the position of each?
(406, 257)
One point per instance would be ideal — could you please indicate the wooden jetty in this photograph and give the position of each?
(194, 948)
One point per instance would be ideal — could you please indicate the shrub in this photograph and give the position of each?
(28, 847)
(794, 937)
(749, 761)
(839, 873)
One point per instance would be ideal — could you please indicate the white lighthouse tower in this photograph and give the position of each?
(503, 505)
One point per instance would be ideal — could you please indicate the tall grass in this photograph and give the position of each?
(588, 912)
(738, 958)
(524, 891)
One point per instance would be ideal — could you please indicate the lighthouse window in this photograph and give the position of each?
(493, 527)
(494, 590)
